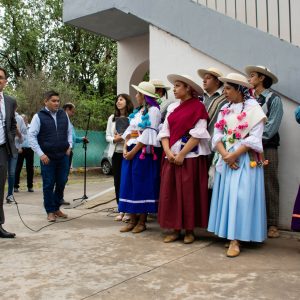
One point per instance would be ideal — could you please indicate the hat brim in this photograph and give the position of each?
(250, 69)
(175, 77)
(202, 72)
(239, 82)
(144, 92)
(162, 87)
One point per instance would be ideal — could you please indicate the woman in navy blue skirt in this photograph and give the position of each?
(140, 168)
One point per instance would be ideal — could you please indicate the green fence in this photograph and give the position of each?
(95, 148)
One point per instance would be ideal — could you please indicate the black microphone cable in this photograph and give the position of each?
(109, 210)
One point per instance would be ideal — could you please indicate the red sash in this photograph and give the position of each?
(184, 118)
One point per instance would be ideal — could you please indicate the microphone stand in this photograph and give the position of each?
(84, 197)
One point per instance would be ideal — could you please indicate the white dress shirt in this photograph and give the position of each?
(2, 119)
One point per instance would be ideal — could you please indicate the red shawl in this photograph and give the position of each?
(184, 118)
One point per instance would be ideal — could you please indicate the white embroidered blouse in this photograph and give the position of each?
(198, 132)
(254, 138)
(148, 135)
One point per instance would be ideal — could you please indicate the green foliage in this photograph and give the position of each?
(40, 52)
(99, 111)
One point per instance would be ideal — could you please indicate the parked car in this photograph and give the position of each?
(106, 163)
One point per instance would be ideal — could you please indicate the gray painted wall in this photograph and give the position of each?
(220, 37)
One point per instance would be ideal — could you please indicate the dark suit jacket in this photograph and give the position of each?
(10, 125)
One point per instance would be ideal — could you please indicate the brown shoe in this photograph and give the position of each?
(128, 227)
(140, 227)
(189, 238)
(51, 217)
(171, 237)
(60, 214)
(234, 249)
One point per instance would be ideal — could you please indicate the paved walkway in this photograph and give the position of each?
(87, 258)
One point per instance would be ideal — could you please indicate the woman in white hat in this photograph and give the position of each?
(162, 91)
(238, 211)
(183, 200)
(140, 168)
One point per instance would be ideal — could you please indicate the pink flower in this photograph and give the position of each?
(238, 135)
(243, 126)
(221, 124)
(229, 131)
(225, 111)
(241, 116)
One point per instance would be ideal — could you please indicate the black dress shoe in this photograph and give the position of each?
(5, 234)
(30, 190)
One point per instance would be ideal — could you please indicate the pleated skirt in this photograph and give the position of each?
(183, 202)
(139, 186)
(238, 209)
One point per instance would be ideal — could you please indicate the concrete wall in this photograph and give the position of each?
(133, 63)
(263, 15)
(171, 55)
(211, 32)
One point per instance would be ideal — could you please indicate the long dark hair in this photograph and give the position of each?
(129, 106)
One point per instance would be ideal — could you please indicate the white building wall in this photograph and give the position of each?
(171, 55)
(133, 63)
(282, 14)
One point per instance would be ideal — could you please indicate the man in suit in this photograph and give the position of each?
(8, 149)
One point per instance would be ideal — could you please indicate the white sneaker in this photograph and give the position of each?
(10, 199)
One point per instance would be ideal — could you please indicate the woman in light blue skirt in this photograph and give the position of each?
(238, 211)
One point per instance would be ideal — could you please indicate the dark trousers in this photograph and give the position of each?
(3, 174)
(70, 164)
(27, 155)
(272, 186)
(12, 163)
(116, 168)
(70, 160)
(54, 176)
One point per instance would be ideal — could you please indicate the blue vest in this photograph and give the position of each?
(53, 140)
(274, 141)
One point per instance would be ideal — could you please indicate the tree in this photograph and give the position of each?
(40, 51)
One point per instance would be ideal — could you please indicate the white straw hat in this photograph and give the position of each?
(237, 79)
(213, 71)
(262, 70)
(187, 80)
(159, 84)
(146, 88)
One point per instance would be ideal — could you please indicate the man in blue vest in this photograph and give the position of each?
(262, 79)
(50, 136)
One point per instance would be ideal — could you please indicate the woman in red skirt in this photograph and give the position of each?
(183, 202)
